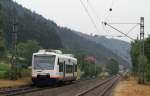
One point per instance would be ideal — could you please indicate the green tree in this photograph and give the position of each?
(30, 26)
(135, 56)
(2, 45)
(112, 67)
(25, 51)
(135, 53)
(147, 71)
(66, 50)
(147, 48)
(89, 68)
(147, 58)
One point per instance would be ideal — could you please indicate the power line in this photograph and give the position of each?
(112, 3)
(125, 23)
(107, 16)
(86, 10)
(97, 16)
(112, 36)
(132, 28)
(92, 8)
(110, 10)
(105, 23)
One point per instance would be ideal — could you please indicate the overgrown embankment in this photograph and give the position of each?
(130, 87)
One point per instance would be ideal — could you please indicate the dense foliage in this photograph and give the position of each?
(25, 51)
(2, 45)
(30, 25)
(16, 73)
(89, 69)
(3, 69)
(112, 67)
(135, 54)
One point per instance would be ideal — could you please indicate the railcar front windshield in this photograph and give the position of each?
(44, 62)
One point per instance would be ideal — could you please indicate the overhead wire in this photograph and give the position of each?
(132, 28)
(92, 8)
(92, 20)
(95, 25)
(123, 23)
(125, 34)
(136, 24)
(118, 30)
(115, 36)
(104, 28)
(97, 16)
(110, 9)
(112, 3)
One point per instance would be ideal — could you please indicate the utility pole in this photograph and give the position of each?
(14, 43)
(95, 66)
(141, 64)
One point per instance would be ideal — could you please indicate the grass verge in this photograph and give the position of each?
(15, 83)
(131, 88)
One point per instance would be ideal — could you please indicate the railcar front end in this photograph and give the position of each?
(49, 68)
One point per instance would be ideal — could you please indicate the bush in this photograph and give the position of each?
(90, 69)
(25, 72)
(11, 74)
(3, 69)
(148, 77)
(147, 72)
(16, 73)
(2, 74)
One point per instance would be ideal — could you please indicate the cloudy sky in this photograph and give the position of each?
(71, 14)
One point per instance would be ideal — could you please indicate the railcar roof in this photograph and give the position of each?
(52, 53)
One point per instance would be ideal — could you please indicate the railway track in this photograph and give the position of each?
(100, 89)
(28, 89)
(18, 91)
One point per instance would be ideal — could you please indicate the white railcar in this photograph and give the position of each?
(52, 67)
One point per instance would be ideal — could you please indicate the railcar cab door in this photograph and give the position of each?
(73, 71)
(62, 67)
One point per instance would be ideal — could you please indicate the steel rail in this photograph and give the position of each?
(19, 91)
(97, 86)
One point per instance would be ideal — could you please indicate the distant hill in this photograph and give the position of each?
(32, 26)
(73, 40)
(119, 47)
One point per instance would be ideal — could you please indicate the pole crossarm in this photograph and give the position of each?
(105, 23)
(126, 23)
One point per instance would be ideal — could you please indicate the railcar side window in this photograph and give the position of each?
(69, 68)
(60, 66)
(76, 68)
